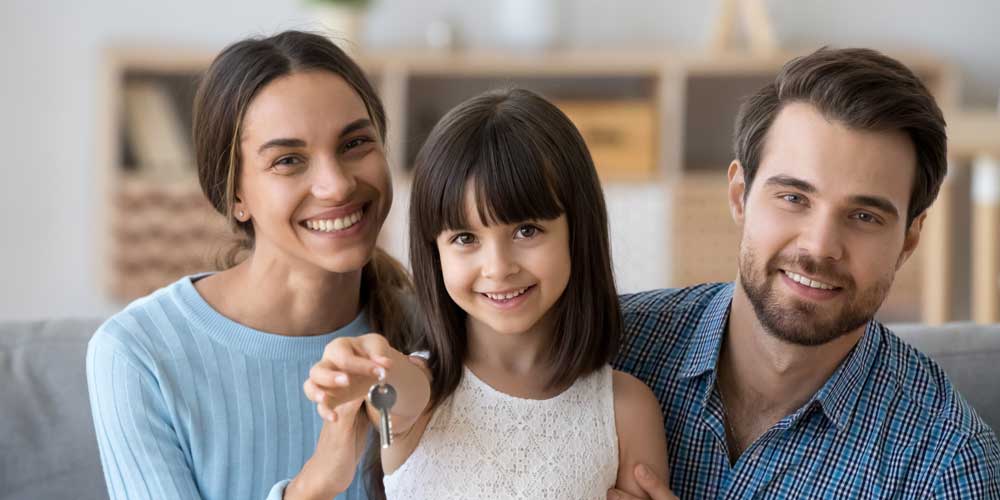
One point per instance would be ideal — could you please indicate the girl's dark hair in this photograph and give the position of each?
(224, 94)
(526, 161)
(864, 90)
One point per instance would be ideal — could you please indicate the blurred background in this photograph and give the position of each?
(98, 203)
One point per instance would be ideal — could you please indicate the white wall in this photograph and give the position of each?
(48, 91)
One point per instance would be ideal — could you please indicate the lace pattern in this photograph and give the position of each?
(482, 443)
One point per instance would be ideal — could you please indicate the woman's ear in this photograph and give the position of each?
(240, 211)
(737, 192)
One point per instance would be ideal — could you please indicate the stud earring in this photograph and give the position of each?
(240, 214)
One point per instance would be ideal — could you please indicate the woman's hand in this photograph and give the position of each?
(349, 367)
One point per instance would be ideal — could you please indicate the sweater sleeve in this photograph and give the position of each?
(142, 455)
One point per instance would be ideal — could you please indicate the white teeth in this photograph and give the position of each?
(339, 224)
(802, 280)
(506, 296)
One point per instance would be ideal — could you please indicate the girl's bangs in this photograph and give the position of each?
(511, 179)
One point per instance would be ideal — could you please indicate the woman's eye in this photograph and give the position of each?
(356, 142)
(527, 231)
(286, 162)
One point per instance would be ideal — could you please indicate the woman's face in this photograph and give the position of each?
(314, 179)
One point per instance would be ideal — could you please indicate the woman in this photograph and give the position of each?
(196, 389)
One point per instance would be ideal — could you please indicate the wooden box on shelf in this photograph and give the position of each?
(621, 135)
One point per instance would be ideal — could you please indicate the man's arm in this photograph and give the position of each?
(975, 470)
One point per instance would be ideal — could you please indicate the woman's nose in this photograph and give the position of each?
(332, 182)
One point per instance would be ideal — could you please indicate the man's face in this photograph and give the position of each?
(823, 225)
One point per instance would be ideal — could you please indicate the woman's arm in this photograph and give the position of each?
(141, 454)
(641, 439)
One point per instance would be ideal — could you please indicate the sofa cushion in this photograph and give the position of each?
(48, 448)
(970, 355)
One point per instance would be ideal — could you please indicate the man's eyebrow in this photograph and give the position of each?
(867, 200)
(791, 182)
(876, 202)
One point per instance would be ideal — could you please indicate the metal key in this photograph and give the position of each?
(382, 396)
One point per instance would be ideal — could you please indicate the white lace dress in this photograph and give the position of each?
(482, 443)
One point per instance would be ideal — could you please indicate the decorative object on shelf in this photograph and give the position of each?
(160, 232)
(156, 134)
(757, 26)
(344, 20)
(527, 24)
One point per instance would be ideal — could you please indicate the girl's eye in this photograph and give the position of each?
(463, 239)
(527, 231)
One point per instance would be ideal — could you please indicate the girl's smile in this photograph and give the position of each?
(508, 299)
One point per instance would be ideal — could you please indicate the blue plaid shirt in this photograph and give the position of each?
(887, 423)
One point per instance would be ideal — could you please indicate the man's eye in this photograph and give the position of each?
(792, 198)
(866, 217)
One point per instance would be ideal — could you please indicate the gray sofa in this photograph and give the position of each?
(47, 445)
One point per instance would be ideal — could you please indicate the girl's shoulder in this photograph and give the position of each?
(633, 396)
(639, 424)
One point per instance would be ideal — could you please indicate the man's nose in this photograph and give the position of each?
(820, 237)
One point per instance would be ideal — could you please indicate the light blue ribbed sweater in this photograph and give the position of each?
(188, 404)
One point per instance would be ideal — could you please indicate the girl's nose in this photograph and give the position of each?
(498, 264)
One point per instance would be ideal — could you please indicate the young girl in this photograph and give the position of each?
(511, 260)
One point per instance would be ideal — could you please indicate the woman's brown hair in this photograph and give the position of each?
(524, 160)
(234, 78)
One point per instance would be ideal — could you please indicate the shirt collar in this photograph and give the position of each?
(703, 346)
(837, 397)
(840, 394)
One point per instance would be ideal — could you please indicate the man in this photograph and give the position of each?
(781, 385)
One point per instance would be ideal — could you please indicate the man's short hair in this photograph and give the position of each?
(862, 89)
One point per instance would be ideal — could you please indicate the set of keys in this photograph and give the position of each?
(382, 396)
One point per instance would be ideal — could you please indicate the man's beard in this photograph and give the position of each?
(803, 322)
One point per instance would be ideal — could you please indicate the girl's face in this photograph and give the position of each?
(506, 276)
(314, 178)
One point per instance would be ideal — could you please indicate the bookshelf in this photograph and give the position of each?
(659, 123)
